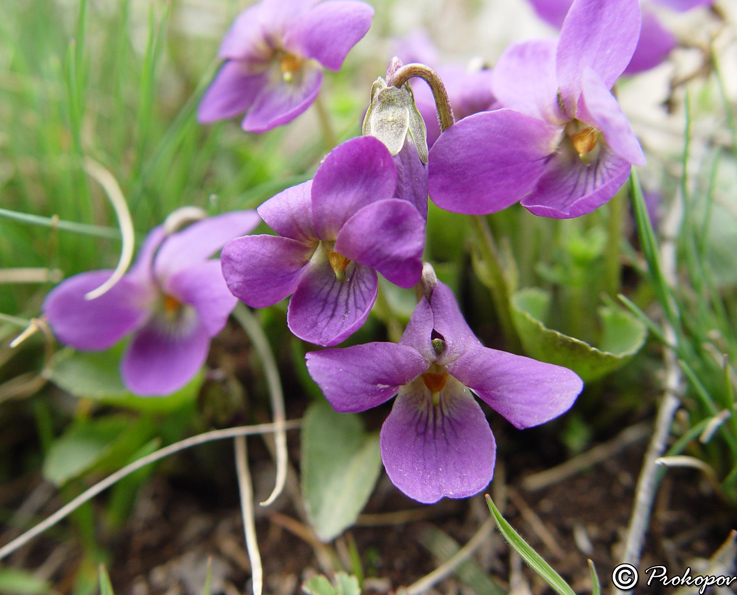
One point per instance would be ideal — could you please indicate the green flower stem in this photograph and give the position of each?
(500, 292)
(56, 223)
(439, 93)
(331, 140)
(613, 260)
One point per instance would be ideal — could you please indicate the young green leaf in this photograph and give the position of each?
(622, 337)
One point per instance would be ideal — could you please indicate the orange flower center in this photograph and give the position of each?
(435, 381)
(585, 141)
(171, 304)
(289, 65)
(339, 264)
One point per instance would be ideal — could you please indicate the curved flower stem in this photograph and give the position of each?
(252, 327)
(439, 93)
(110, 480)
(245, 488)
(331, 140)
(112, 189)
(500, 292)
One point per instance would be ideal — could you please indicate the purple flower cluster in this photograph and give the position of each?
(172, 302)
(543, 128)
(274, 54)
(560, 143)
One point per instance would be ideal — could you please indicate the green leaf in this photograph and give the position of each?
(106, 588)
(528, 554)
(318, 585)
(622, 337)
(81, 447)
(105, 443)
(96, 376)
(344, 585)
(340, 465)
(14, 581)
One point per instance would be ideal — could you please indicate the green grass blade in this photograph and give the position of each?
(208, 578)
(595, 584)
(106, 588)
(533, 559)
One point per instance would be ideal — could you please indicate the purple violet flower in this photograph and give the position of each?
(563, 146)
(274, 53)
(335, 232)
(655, 42)
(172, 301)
(436, 441)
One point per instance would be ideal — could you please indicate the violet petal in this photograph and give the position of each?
(289, 213)
(328, 31)
(142, 270)
(95, 325)
(263, 270)
(245, 40)
(201, 240)
(163, 358)
(469, 90)
(488, 161)
(325, 311)
(524, 80)
(364, 376)
(281, 101)
(431, 451)
(389, 236)
(277, 15)
(202, 286)
(450, 324)
(232, 92)
(607, 116)
(571, 188)
(411, 178)
(552, 12)
(418, 332)
(600, 34)
(525, 391)
(356, 173)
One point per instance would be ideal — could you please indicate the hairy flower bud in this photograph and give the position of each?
(391, 115)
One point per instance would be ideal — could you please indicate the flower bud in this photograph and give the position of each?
(392, 114)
